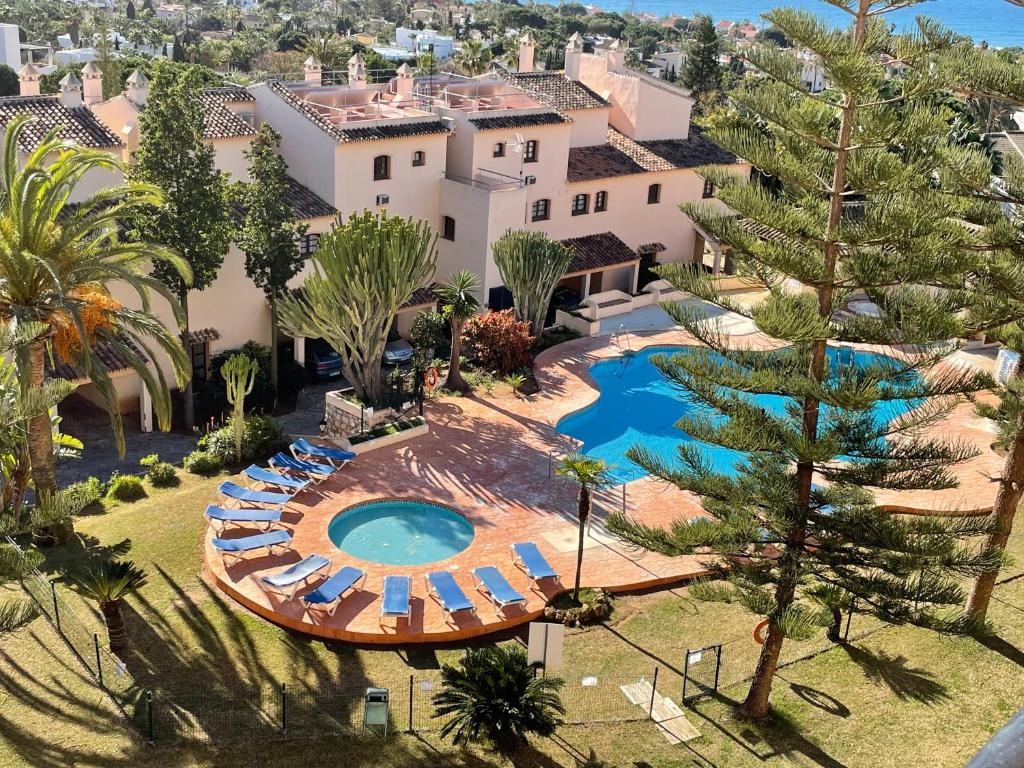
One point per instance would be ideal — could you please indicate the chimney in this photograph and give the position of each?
(71, 90)
(616, 56)
(526, 47)
(357, 72)
(28, 80)
(313, 71)
(92, 83)
(404, 82)
(137, 91)
(573, 52)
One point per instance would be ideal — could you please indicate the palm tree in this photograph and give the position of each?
(494, 692)
(473, 58)
(57, 261)
(458, 304)
(588, 473)
(108, 583)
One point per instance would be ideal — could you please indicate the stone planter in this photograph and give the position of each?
(345, 418)
(385, 440)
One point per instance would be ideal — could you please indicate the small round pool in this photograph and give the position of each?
(396, 532)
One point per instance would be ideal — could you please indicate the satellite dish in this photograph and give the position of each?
(519, 143)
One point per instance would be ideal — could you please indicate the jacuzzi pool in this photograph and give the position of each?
(396, 532)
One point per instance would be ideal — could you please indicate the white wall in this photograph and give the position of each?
(10, 46)
(589, 127)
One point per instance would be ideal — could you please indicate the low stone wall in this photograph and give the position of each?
(385, 440)
(345, 418)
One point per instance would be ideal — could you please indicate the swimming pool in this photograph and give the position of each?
(396, 532)
(638, 406)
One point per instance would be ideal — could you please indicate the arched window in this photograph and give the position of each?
(530, 151)
(381, 167)
(600, 201)
(654, 194)
(419, 158)
(541, 209)
(499, 149)
(447, 227)
(580, 204)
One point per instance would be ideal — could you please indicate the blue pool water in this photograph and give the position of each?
(400, 532)
(638, 406)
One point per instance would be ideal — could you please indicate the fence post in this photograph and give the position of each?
(849, 618)
(56, 610)
(151, 731)
(284, 708)
(718, 666)
(99, 664)
(654, 692)
(411, 689)
(686, 674)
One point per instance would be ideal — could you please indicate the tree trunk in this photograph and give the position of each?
(114, 620)
(834, 632)
(455, 382)
(273, 351)
(583, 512)
(756, 704)
(188, 405)
(1011, 486)
(40, 451)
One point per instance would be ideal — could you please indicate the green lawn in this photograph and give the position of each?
(896, 697)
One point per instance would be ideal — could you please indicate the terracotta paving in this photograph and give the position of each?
(488, 458)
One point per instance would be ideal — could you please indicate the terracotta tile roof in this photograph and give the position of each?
(598, 252)
(108, 356)
(517, 121)
(203, 335)
(654, 247)
(555, 90)
(622, 156)
(421, 297)
(304, 202)
(1009, 142)
(77, 124)
(219, 122)
(387, 130)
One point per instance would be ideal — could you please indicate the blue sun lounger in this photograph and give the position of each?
(527, 557)
(226, 517)
(294, 575)
(237, 547)
(253, 498)
(496, 588)
(441, 586)
(396, 600)
(315, 472)
(269, 477)
(328, 595)
(334, 456)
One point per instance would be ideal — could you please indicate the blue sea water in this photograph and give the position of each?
(995, 21)
(400, 532)
(639, 406)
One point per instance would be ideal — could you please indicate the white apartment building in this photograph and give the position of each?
(597, 156)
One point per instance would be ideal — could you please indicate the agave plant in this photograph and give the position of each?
(494, 692)
(108, 583)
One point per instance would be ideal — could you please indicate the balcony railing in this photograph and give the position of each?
(490, 181)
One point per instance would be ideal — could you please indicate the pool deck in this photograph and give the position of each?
(488, 458)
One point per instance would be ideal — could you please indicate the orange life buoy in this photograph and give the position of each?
(430, 378)
(761, 632)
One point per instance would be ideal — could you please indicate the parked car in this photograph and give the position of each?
(322, 361)
(398, 350)
(562, 298)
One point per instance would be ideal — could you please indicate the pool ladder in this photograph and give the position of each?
(626, 352)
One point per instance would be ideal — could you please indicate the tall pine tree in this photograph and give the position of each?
(702, 73)
(853, 210)
(194, 217)
(269, 233)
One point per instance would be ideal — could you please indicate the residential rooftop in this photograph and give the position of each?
(76, 124)
(623, 156)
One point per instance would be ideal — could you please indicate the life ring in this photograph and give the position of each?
(761, 632)
(430, 378)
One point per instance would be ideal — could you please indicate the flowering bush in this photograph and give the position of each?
(498, 342)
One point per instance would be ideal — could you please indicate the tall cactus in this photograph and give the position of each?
(364, 270)
(531, 264)
(239, 374)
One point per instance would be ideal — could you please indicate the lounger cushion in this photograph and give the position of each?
(334, 587)
(235, 491)
(397, 593)
(247, 543)
(274, 478)
(535, 563)
(449, 592)
(304, 446)
(293, 574)
(498, 585)
(243, 515)
(284, 461)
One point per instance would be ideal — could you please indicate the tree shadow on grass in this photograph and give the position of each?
(1004, 648)
(908, 683)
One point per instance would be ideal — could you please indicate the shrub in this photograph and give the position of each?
(429, 337)
(126, 488)
(498, 342)
(85, 494)
(160, 473)
(203, 463)
(262, 437)
(595, 606)
(211, 399)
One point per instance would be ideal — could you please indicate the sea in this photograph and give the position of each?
(997, 22)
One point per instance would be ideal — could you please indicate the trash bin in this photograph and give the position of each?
(375, 708)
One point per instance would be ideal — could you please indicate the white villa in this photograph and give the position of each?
(598, 156)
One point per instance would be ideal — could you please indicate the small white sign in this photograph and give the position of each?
(120, 668)
(694, 658)
(427, 685)
(589, 682)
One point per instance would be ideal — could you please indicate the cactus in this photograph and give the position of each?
(239, 374)
(531, 264)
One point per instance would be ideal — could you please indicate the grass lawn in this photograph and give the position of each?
(898, 696)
